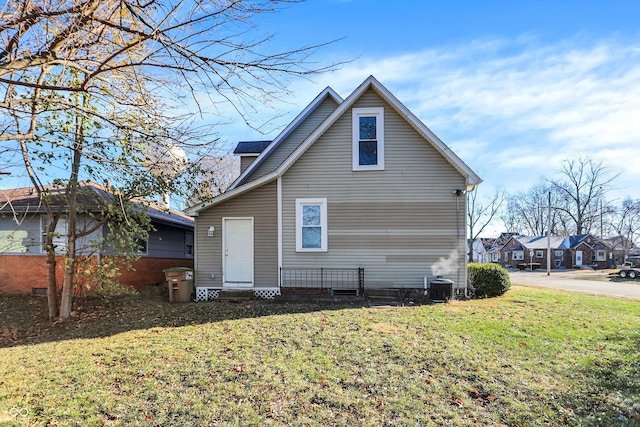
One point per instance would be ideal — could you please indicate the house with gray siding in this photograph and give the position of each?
(23, 222)
(354, 193)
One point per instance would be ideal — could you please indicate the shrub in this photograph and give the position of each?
(488, 280)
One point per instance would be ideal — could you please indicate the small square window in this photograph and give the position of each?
(539, 254)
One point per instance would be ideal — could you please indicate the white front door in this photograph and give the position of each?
(238, 252)
(578, 258)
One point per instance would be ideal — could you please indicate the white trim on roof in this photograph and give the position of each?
(282, 135)
(472, 179)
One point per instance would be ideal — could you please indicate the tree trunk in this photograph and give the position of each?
(72, 233)
(52, 285)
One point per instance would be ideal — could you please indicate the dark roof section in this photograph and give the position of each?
(251, 147)
(91, 197)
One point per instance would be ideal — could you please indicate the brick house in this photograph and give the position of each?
(577, 251)
(23, 220)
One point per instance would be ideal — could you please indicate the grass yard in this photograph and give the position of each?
(531, 358)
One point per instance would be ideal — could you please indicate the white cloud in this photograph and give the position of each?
(512, 109)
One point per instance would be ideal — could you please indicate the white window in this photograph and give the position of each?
(518, 255)
(601, 256)
(311, 225)
(558, 254)
(368, 139)
(539, 254)
(59, 235)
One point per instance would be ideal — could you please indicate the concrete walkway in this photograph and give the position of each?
(577, 281)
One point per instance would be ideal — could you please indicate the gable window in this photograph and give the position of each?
(311, 225)
(368, 139)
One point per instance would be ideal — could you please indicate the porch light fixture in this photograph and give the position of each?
(212, 230)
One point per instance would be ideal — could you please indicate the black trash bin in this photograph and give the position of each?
(441, 289)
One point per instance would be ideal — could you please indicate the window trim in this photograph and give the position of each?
(322, 202)
(60, 242)
(539, 254)
(356, 113)
(519, 257)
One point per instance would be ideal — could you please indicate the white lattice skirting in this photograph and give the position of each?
(205, 294)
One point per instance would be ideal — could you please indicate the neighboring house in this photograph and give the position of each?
(578, 251)
(479, 251)
(353, 194)
(23, 222)
(623, 249)
(487, 249)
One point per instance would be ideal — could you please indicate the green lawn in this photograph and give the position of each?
(531, 358)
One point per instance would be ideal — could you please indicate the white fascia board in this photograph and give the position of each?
(235, 189)
(290, 127)
(472, 179)
(195, 210)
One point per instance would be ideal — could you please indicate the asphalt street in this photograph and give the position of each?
(577, 281)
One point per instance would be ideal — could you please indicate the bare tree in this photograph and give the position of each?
(527, 211)
(583, 185)
(91, 87)
(480, 215)
(624, 221)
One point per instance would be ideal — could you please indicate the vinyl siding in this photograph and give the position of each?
(261, 204)
(27, 238)
(289, 144)
(167, 242)
(395, 223)
(245, 162)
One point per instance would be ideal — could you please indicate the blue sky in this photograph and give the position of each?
(513, 87)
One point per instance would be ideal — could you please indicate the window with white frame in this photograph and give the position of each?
(539, 254)
(558, 254)
(368, 139)
(518, 255)
(601, 256)
(311, 225)
(59, 240)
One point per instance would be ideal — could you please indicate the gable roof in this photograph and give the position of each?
(91, 196)
(240, 185)
(556, 242)
(540, 242)
(245, 176)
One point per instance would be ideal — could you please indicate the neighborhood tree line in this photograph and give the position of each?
(573, 201)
